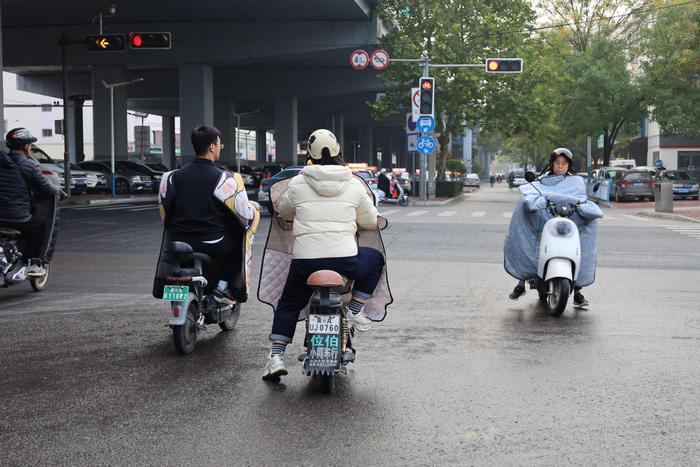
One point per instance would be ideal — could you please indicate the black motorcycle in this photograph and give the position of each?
(12, 265)
(190, 308)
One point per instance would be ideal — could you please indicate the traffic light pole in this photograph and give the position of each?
(427, 163)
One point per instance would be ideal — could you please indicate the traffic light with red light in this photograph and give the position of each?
(504, 65)
(426, 102)
(104, 43)
(149, 40)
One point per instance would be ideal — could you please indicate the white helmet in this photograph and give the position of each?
(320, 139)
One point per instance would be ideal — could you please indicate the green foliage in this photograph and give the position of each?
(671, 68)
(455, 165)
(448, 189)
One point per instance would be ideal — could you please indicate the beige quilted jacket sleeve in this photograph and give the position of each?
(365, 210)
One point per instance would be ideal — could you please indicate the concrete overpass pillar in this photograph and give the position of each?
(261, 145)
(286, 129)
(75, 129)
(196, 104)
(366, 145)
(339, 130)
(169, 142)
(223, 120)
(101, 116)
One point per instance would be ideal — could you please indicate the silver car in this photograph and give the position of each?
(54, 172)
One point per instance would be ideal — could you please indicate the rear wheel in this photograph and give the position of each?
(39, 283)
(230, 323)
(327, 383)
(185, 335)
(558, 296)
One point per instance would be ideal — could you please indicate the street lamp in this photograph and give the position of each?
(238, 131)
(111, 87)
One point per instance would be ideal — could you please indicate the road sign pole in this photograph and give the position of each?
(425, 63)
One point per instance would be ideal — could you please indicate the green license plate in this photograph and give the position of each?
(175, 293)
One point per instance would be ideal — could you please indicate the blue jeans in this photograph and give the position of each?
(365, 269)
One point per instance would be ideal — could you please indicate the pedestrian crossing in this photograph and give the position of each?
(689, 231)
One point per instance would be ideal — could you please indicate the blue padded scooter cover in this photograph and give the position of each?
(521, 246)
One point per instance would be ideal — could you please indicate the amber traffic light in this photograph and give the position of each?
(104, 43)
(504, 65)
(427, 96)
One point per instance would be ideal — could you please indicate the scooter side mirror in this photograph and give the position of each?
(529, 176)
(596, 186)
(382, 222)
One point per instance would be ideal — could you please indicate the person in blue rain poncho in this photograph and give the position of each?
(558, 179)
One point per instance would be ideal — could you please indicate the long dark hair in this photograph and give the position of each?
(326, 158)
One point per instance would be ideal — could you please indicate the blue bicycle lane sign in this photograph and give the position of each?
(425, 144)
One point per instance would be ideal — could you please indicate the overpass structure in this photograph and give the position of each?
(276, 65)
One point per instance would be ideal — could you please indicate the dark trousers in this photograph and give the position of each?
(365, 269)
(226, 255)
(33, 233)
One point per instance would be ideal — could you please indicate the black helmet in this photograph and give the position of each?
(18, 137)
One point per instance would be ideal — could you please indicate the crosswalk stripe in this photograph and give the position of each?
(478, 214)
(507, 215)
(447, 213)
(389, 212)
(416, 213)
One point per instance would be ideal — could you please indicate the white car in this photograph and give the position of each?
(55, 173)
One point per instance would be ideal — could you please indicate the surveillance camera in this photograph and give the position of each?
(112, 9)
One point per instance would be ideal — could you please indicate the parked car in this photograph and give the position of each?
(684, 185)
(158, 166)
(54, 172)
(609, 173)
(96, 181)
(633, 184)
(517, 179)
(126, 181)
(472, 180)
(264, 190)
(143, 169)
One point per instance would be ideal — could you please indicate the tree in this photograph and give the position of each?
(455, 165)
(601, 95)
(453, 32)
(670, 64)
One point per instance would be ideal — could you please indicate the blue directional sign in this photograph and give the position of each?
(425, 144)
(658, 163)
(426, 124)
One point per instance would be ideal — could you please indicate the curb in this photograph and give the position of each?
(103, 202)
(669, 216)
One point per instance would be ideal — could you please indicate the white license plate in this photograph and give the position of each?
(639, 184)
(324, 324)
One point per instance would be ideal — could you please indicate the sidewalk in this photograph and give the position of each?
(683, 210)
(94, 199)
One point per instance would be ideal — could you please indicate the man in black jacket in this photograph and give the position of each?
(21, 181)
(208, 208)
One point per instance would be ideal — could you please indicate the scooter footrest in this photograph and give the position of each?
(301, 357)
(348, 356)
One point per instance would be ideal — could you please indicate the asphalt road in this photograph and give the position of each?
(456, 374)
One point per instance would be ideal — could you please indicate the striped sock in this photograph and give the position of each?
(278, 348)
(355, 307)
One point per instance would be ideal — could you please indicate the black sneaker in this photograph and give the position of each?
(223, 297)
(517, 292)
(579, 300)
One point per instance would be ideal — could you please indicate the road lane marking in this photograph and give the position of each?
(478, 214)
(447, 213)
(147, 208)
(507, 215)
(389, 212)
(416, 213)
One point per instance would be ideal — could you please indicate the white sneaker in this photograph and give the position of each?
(35, 270)
(360, 322)
(274, 368)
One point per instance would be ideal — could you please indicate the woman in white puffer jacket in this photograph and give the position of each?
(327, 204)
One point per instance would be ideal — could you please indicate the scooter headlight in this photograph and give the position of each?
(562, 229)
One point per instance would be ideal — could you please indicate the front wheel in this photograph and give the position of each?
(230, 323)
(39, 283)
(559, 290)
(185, 335)
(403, 201)
(122, 187)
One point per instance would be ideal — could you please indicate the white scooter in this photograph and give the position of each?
(401, 200)
(559, 258)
